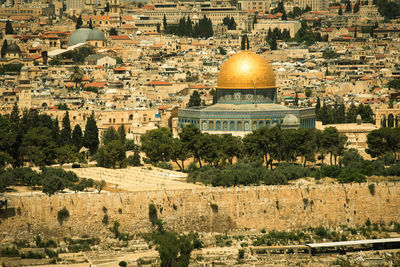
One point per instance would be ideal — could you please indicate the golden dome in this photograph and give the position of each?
(246, 70)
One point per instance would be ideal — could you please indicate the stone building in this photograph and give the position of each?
(246, 100)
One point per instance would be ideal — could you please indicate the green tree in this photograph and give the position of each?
(340, 12)
(195, 100)
(157, 144)
(190, 136)
(165, 24)
(67, 154)
(122, 134)
(3, 48)
(77, 75)
(179, 153)
(111, 155)
(77, 137)
(65, 134)
(38, 147)
(90, 24)
(348, 6)
(9, 28)
(383, 140)
(351, 113)
(107, 8)
(113, 31)
(394, 84)
(356, 7)
(110, 135)
(91, 135)
(79, 23)
(245, 42)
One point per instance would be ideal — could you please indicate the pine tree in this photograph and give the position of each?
(165, 25)
(122, 134)
(79, 23)
(77, 137)
(348, 6)
(189, 27)
(91, 135)
(65, 134)
(356, 7)
(340, 11)
(3, 48)
(9, 28)
(351, 113)
(318, 105)
(245, 42)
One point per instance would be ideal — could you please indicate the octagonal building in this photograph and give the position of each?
(246, 100)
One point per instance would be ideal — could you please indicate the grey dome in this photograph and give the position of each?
(96, 35)
(79, 36)
(290, 121)
(12, 49)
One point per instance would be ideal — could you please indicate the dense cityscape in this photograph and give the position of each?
(200, 133)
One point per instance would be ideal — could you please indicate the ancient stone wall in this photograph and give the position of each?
(209, 210)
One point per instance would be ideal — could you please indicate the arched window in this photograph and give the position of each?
(211, 125)
(225, 126)
(131, 117)
(232, 126)
(239, 126)
(247, 126)
(218, 126)
(390, 122)
(204, 125)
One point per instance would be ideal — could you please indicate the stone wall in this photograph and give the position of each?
(209, 210)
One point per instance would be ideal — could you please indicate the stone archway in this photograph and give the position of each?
(390, 121)
(383, 120)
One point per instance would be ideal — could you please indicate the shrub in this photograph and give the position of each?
(349, 176)
(62, 215)
(152, 213)
(163, 165)
(105, 219)
(241, 254)
(371, 188)
(332, 171)
(214, 207)
(122, 263)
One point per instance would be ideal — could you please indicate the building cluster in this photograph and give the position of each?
(120, 60)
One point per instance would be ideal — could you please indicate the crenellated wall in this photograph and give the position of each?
(269, 207)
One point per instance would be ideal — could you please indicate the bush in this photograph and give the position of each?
(62, 215)
(122, 263)
(332, 171)
(163, 165)
(241, 254)
(105, 219)
(152, 213)
(371, 188)
(214, 207)
(349, 176)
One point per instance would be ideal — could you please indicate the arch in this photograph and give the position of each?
(211, 125)
(247, 126)
(383, 121)
(268, 123)
(232, 126)
(390, 121)
(204, 125)
(218, 126)
(44, 105)
(239, 126)
(131, 117)
(225, 126)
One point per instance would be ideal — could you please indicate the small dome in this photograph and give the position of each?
(79, 36)
(291, 121)
(246, 70)
(96, 35)
(12, 49)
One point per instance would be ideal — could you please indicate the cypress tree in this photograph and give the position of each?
(351, 113)
(122, 134)
(90, 24)
(91, 135)
(189, 27)
(340, 11)
(165, 25)
(79, 22)
(348, 6)
(65, 134)
(3, 48)
(77, 137)
(317, 106)
(9, 28)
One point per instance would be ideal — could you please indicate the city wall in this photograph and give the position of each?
(208, 210)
